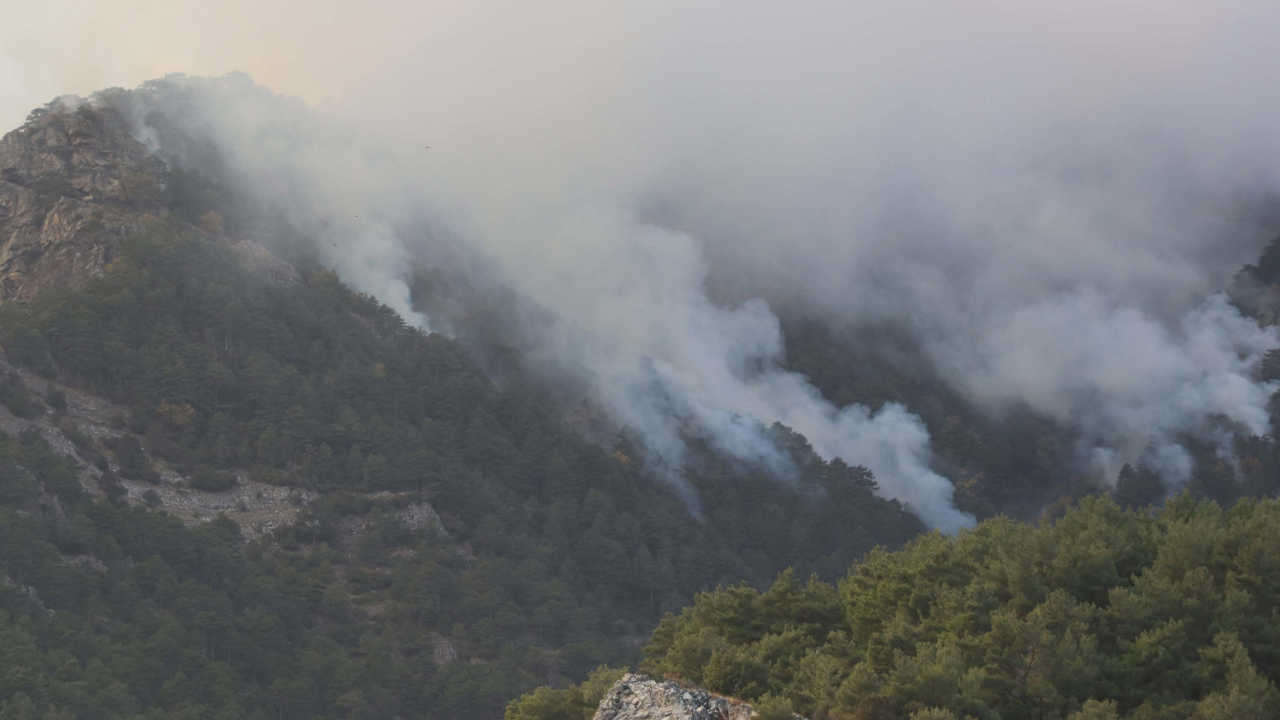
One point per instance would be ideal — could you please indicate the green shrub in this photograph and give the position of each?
(211, 480)
(15, 396)
(56, 399)
(772, 707)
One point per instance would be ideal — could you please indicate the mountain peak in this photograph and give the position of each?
(84, 151)
(73, 184)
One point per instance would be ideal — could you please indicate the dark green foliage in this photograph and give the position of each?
(133, 461)
(1138, 487)
(571, 703)
(1171, 615)
(555, 556)
(1014, 463)
(171, 618)
(210, 480)
(17, 484)
(770, 707)
(56, 399)
(113, 488)
(15, 396)
(27, 346)
(1267, 270)
(1270, 369)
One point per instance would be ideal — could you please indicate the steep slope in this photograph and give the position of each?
(454, 540)
(73, 185)
(447, 542)
(246, 163)
(1090, 601)
(1103, 613)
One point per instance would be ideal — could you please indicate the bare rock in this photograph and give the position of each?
(73, 184)
(84, 152)
(442, 651)
(638, 697)
(419, 517)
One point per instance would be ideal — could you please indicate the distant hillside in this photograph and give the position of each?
(370, 526)
(231, 485)
(1100, 615)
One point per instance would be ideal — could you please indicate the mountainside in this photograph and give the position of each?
(241, 488)
(1102, 614)
(238, 487)
(73, 184)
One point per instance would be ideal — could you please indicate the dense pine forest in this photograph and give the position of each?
(552, 554)
(1099, 614)
(458, 533)
(551, 551)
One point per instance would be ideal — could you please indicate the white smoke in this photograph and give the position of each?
(1130, 384)
(334, 185)
(634, 310)
(1044, 197)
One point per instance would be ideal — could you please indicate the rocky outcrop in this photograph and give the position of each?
(87, 424)
(75, 150)
(73, 184)
(638, 697)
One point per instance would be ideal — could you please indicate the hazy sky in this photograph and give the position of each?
(64, 46)
(461, 53)
(1044, 194)
(323, 50)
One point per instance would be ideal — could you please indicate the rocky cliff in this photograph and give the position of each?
(73, 184)
(638, 697)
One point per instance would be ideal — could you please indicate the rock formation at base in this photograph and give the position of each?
(638, 697)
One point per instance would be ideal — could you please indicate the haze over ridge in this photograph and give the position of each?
(1044, 199)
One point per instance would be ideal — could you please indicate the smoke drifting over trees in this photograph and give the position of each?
(1044, 199)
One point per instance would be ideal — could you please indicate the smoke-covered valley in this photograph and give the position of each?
(1045, 206)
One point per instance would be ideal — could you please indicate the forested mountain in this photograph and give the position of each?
(233, 486)
(992, 457)
(451, 541)
(1102, 613)
(1120, 604)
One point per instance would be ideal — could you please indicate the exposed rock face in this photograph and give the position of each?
(442, 650)
(258, 508)
(73, 184)
(637, 697)
(419, 517)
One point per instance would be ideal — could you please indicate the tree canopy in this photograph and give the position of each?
(1102, 613)
(553, 555)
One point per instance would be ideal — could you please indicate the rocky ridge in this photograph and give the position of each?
(83, 430)
(639, 697)
(73, 184)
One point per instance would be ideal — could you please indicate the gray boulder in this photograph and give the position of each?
(638, 697)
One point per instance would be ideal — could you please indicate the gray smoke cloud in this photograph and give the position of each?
(1045, 198)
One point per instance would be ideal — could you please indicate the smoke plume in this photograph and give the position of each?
(1046, 199)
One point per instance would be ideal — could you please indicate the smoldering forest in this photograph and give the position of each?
(1038, 214)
